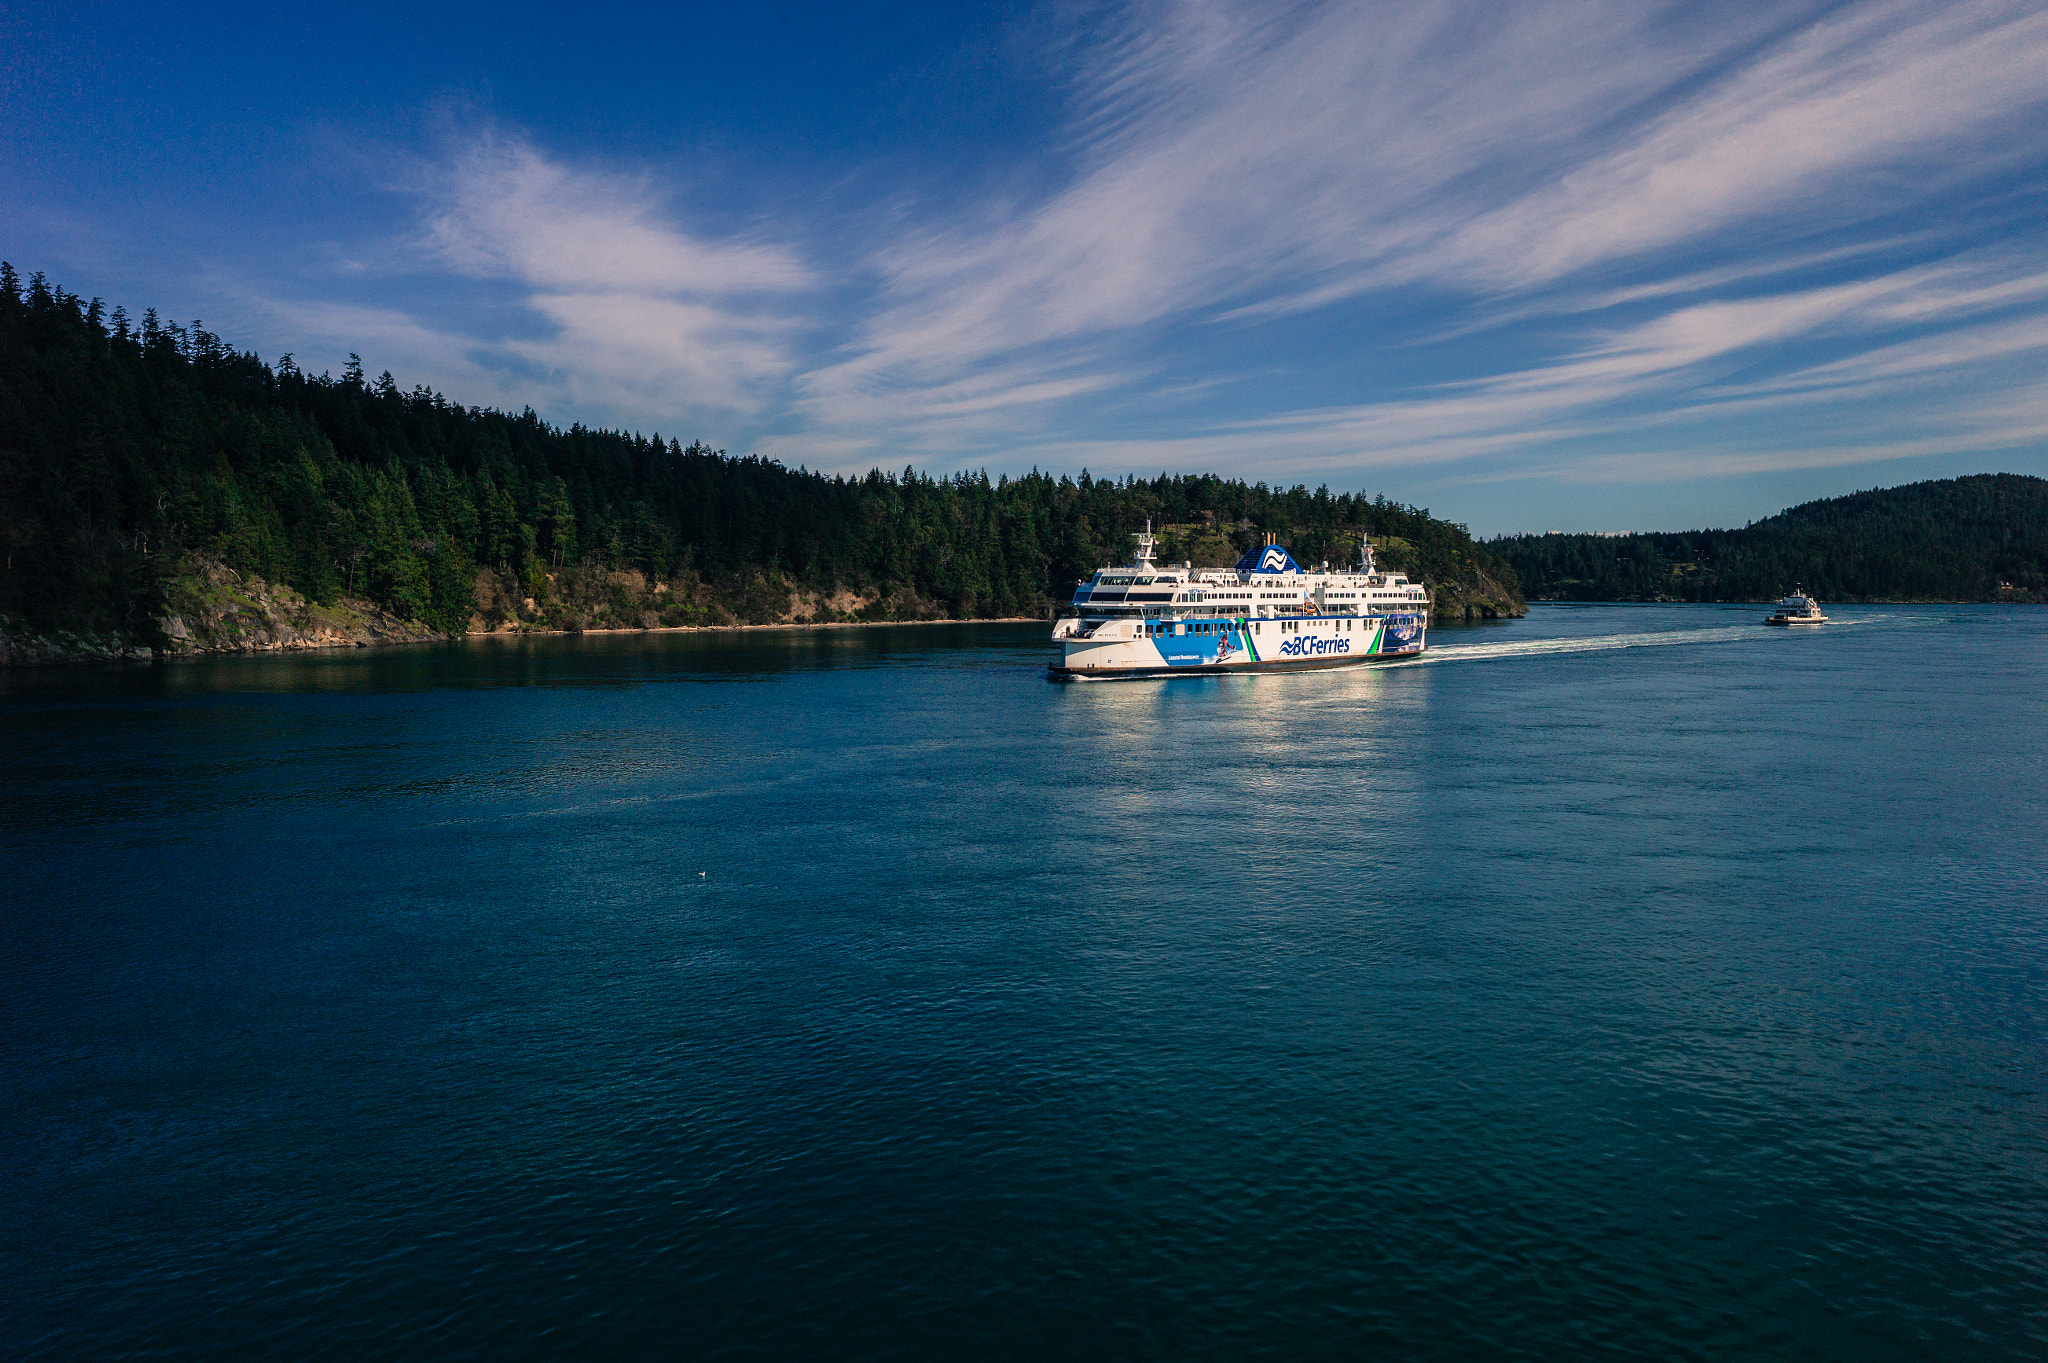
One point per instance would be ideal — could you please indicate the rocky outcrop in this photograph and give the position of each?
(214, 609)
(211, 608)
(1476, 594)
(572, 600)
(21, 646)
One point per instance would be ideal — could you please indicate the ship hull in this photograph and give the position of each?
(1058, 672)
(1137, 651)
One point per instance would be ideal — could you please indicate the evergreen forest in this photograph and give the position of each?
(1980, 538)
(137, 452)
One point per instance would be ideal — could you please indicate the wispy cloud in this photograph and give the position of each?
(500, 207)
(392, 338)
(1671, 377)
(640, 315)
(1794, 129)
(1233, 154)
(1594, 231)
(1246, 163)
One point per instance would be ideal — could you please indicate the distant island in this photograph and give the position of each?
(1980, 538)
(163, 493)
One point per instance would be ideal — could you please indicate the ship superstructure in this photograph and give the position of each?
(1797, 609)
(1264, 613)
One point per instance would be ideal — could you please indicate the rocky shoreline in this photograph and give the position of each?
(215, 610)
(23, 650)
(1481, 599)
(212, 609)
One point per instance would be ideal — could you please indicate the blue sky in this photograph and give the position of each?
(1534, 266)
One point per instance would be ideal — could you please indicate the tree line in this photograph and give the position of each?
(127, 445)
(1979, 538)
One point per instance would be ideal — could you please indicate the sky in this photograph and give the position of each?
(1581, 266)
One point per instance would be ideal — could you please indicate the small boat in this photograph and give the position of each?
(1798, 609)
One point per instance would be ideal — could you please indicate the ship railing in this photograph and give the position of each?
(1074, 627)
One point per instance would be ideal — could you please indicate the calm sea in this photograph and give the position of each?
(1624, 982)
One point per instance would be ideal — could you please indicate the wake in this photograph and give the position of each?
(1608, 643)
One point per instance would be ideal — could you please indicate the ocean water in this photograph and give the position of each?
(1618, 983)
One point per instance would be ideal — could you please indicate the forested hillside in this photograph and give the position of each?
(146, 467)
(1981, 538)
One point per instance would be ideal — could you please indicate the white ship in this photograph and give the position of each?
(1798, 609)
(1265, 614)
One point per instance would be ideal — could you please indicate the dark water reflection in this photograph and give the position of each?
(1615, 983)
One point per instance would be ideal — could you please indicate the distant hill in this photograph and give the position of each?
(161, 491)
(1980, 538)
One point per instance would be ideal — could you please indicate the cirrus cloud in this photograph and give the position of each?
(1461, 241)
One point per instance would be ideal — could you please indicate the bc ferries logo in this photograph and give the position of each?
(1301, 645)
(1271, 558)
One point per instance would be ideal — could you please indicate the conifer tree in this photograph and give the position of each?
(119, 462)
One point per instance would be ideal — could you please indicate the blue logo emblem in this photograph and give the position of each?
(1273, 558)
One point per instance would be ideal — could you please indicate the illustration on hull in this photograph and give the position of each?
(1264, 614)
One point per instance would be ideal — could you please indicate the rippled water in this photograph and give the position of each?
(1618, 983)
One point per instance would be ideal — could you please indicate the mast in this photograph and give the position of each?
(1146, 545)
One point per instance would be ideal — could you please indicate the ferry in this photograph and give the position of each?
(1798, 609)
(1265, 614)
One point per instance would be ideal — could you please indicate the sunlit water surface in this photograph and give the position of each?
(1618, 983)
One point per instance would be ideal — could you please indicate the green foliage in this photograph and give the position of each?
(1960, 539)
(122, 448)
